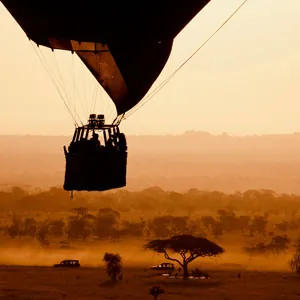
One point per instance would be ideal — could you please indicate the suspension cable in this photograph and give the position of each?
(59, 84)
(55, 85)
(84, 107)
(59, 80)
(73, 77)
(65, 90)
(163, 84)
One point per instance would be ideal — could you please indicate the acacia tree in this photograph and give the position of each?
(188, 246)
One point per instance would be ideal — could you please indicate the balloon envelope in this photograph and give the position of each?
(125, 44)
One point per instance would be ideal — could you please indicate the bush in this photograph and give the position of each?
(113, 266)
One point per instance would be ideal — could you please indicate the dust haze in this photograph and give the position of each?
(241, 193)
(194, 159)
(259, 229)
(135, 257)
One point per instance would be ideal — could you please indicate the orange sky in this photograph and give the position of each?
(244, 81)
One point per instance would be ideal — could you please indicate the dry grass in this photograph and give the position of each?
(91, 283)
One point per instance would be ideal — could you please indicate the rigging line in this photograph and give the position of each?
(121, 119)
(158, 88)
(65, 90)
(98, 62)
(91, 97)
(54, 83)
(101, 99)
(59, 83)
(83, 81)
(95, 99)
(111, 113)
(77, 95)
(111, 110)
(74, 94)
(63, 87)
(81, 101)
(59, 88)
(77, 92)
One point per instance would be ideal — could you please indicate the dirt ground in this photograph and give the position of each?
(35, 283)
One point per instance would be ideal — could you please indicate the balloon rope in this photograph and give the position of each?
(56, 86)
(158, 88)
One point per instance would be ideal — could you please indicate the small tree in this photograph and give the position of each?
(295, 261)
(155, 291)
(189, 248)
(113, 265)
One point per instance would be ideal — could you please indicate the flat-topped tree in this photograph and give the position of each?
(188, 246)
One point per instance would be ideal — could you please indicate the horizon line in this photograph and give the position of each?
(185, 133)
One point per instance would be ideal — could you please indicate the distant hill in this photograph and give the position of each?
(194, 159)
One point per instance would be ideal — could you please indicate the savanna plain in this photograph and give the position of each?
(91, 283)
(256, 224)
(258, 229)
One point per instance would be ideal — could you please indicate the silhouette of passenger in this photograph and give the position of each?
(95, 141)
(122, 142)
(110, 142)
(71, 148)
(82, 145)
(115, 139)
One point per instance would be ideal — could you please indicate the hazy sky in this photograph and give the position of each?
(244, 81)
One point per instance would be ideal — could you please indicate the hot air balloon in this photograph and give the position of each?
(125, 45)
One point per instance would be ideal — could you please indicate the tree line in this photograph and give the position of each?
(151, 214)
(152, 200)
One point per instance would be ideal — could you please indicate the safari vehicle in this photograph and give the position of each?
(163, 266)
(68, 264)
